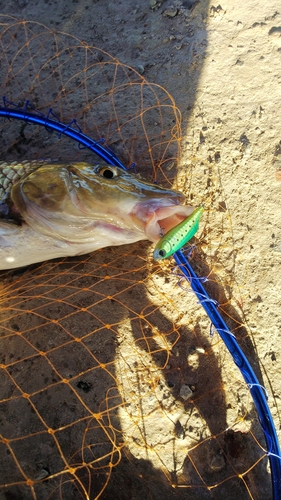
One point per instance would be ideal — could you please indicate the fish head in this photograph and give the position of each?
(74, 202)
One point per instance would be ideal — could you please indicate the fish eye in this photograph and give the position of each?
(107, 172)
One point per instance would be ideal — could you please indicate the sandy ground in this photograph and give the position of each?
(221, 64)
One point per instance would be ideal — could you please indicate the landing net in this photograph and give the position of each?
(113, 382)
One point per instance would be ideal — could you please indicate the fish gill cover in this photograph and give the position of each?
(111, 383)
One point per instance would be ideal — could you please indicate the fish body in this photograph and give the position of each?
(178, 236)
(50, 210)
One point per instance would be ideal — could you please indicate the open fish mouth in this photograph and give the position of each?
(160, 219)
(165, 219)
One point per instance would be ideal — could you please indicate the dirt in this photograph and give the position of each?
(105, 358)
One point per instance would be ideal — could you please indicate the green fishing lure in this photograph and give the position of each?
(178, 236)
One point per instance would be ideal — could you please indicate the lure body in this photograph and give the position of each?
(178, 236)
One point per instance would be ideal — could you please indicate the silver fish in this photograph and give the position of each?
(52, 210)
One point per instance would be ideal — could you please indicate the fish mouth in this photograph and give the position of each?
(160, 219)
(164, 219)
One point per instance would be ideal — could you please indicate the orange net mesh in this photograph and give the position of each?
(111, 384)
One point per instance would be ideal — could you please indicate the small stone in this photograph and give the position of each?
(42, 474)
(217, 463)
(155, 4)
(140, 69)
(170, 13)
(185, 392)
(278, 175)
(200, 350)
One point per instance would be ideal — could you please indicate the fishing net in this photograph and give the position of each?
(113, 383)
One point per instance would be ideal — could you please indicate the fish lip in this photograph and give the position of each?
(159, 217)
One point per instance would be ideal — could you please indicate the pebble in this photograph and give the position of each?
(42, 474)
(155, 4)
(185, 392)
(217, 463)
(170, 13)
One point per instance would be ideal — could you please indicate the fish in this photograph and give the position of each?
(50, 210)
(178, 236)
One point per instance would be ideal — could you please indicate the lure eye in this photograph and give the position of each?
(162, 253)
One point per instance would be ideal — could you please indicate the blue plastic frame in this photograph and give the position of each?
(51, 121)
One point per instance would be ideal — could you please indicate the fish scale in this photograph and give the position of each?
(12, 172)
